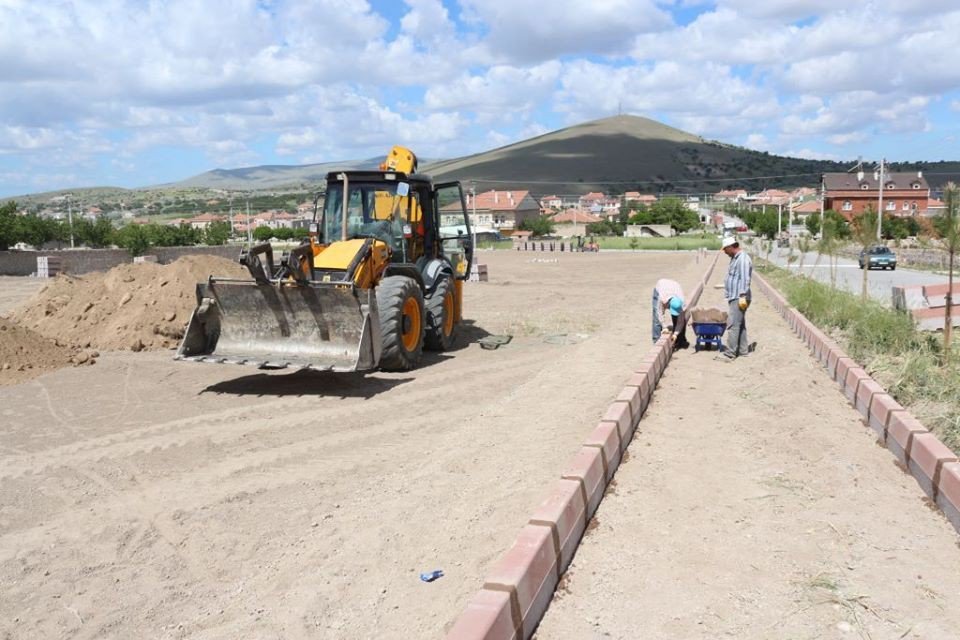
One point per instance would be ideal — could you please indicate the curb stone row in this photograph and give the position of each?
(519, 587)
(934, 466)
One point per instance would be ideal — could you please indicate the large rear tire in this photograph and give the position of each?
(441, 316)
(400, 302)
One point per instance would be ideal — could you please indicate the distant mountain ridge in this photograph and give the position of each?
(612, 155)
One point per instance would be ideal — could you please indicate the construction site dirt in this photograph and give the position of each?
(144, 497)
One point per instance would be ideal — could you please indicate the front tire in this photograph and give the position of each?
(441, 316)
(400, 302)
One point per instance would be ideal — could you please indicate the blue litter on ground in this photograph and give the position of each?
(431, 576)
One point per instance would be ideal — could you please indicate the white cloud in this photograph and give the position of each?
(778, 9)
(526, 31)
(810, 154)
(705, 99)
(500, 88)
(757, 141)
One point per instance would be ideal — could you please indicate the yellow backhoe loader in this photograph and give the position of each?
(378, 279)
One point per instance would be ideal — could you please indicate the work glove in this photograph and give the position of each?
(743, 303)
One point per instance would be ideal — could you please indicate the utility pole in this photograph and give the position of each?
(249, 230)
(70, 219)
(231, 215)
(473, 205)
(823, 197)
(880, 201)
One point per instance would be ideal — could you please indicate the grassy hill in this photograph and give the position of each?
(629, 153)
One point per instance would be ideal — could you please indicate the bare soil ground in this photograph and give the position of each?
(754, 504)
(13, 291)
(146, 498)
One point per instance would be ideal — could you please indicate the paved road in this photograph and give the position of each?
(850, 277)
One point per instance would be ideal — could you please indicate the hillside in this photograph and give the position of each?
(270, 176)
(627, 153)
(613, 155)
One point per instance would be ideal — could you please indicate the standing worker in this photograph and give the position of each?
(736, 288)
(667, 307)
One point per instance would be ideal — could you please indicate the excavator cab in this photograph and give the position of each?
(379, 279)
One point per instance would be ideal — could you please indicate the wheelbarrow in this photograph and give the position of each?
(708, 325)
(709, 333)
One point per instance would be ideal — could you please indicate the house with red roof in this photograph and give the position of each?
(498, 210)
(905, 193)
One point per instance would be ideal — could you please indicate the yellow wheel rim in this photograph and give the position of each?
(448, 313)
(411, 324)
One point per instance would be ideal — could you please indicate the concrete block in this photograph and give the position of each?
(932, 319)
(652, 362)
(927, 456)
(565, 512)
(908, 298)
(618, 414)
(881, 408)
(855, 376)
(605, 437)
(936, 294)
(641, 381)
(829, 348)
(948, 492)
(528, 572)
(631, 395)
(843, 366)
(901, 429)
(587, 468)
(865, 392)
(488, 616)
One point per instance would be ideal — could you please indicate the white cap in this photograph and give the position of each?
(729, 241)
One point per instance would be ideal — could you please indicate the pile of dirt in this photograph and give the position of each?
(25, 354)
(132, 306)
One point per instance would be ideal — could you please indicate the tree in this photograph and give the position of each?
(262, 233)
(864, 231)
(813, 224)
(952, 242)
(217, 233)
(8, 223)
(134, 238)
(539, 226)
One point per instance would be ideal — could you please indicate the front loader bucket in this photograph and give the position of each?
(328, 327)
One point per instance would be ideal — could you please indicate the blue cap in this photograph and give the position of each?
(676, 305)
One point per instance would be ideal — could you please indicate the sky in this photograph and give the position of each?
(137, 93)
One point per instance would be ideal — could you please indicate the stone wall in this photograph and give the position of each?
(80, 261)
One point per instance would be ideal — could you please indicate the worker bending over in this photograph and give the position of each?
(668, 308)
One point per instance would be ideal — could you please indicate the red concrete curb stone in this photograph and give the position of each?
(865, 392)
(488, 616)
(606, 438)
(618, 413)
(630, 395)
(528, 572)
(855, 376)
(587, 467)
(565, 512)
(927, 456)
(948, 492)
(901, 429)
(844, 364)
(881, 408)
(641, 382)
